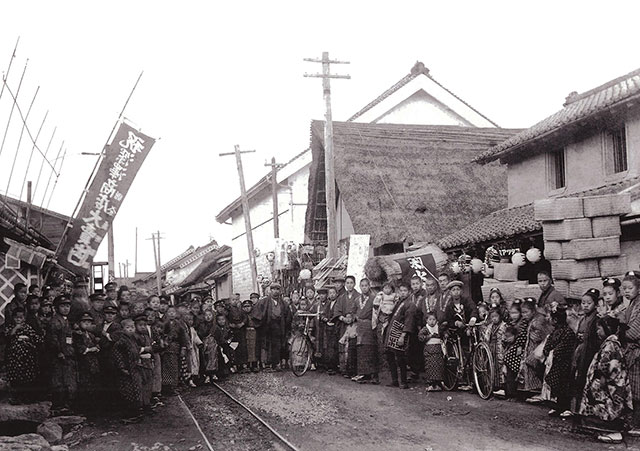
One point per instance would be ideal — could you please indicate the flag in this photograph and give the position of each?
(423, 266)
(119, 166)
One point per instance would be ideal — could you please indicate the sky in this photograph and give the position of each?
(217, 74)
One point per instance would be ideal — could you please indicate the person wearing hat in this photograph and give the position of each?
(254, 297)
(250, 336)
(97, 311)
(220, 307)
(108, 335)
(587, 340)
(237, 324)
(111, 293)
(87, 351)
(59, 345)
(145, 364)
(273, 315)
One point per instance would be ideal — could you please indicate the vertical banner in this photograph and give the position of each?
(423, 266)
(122, 159)
(358, 256)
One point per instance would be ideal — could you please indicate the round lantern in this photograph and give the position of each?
(305, 274)
(455, 268)
(476, 265)
(518, 259)
(534, 255)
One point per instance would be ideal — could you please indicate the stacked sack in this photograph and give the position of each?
(582, 240)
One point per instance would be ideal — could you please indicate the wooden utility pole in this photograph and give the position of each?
(274, 194)
(111, 252)
(245, 212)
(156, 258)
(329, 174)
(135, 261)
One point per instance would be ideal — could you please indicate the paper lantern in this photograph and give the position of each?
(518, 259)
(305, 274)
(534, 255)
(455, 268)
(476, 265)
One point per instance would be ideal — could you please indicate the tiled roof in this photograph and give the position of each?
(577, 107)
(520, 220)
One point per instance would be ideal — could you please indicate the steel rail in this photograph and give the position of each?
(257, 417)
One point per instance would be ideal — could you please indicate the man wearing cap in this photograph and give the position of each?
(238, 324)
(108, 334)
(271, 312)
(97, 311)
(87, 349)
(111, 292)
(59, 343)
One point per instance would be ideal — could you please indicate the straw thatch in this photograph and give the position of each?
(408, 182)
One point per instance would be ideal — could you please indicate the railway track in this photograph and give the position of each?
(226, 423)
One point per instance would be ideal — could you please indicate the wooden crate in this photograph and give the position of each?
(508, 289)
(558, 209)
(562, 287)
(606, 226)
(566, 230)
(574, 269)
(552, 250)
(505, 272)
(578, 288)
(583, 249)
(609, 205)
(613, 265)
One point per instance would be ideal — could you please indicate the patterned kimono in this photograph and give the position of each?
(607, 393)
(209, 348)
(347, 304)
(433, 354)
(144, 370)
(367, 354)
(562, 342)
(22, 358)
(632, 349)
(493, 335)
(588, 345)
(88, 368)
(176, 341)
(126, 357)
(532, 370)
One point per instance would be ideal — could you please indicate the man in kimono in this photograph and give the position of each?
(273, 314)
(397, 336)
(367, 342)
(416, 348)
(320, 329)
(346, 307)
(59, 343)
(329, 318)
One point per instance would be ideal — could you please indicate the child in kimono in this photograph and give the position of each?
(87, 349)
(612, 302)
(126, 358)
(494, 335)
(222, 335)
(631, 289)
(158, 345)
(22, 358)
(59, 340)
(193, 351)
(385, 301)
(511, 363)
(250, 336)
(433, 355)
(562, 343)
(606, 399)
(206, 331)
(588, 342)
(176, 336)
(145, 364)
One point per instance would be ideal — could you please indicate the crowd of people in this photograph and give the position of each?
(582, 358)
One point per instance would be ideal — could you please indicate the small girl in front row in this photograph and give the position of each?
(433, 355)
(493, 335)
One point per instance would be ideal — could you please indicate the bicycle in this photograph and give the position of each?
(480, 364)
(302, 347)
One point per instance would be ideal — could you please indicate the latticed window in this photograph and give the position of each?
(615, 143)
(557, 169)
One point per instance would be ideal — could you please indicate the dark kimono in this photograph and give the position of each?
(562, 342)
(367, 353)
(88, 368)
(238, 326)
(330, 336)
(64, 375)
(126, 358)
(144, 371)
(607, 394)
(177, 340)
(588, 345)
(531, 369)
(209, 360)
(402, 322)
(222, 336)
(416, 348)
(550, 296)
(273, 317)
(632, 354)
(109, 335)
(22, 360)
(347, 305)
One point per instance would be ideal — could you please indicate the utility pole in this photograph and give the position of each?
(274, 194)
(330, 183)
(111, 258)
(156, 257)
(135, 262)
(245, 211)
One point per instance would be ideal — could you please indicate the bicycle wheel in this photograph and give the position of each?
(451, 366)
(300, 355)
(483, 370)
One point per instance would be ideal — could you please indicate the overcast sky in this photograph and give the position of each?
(215, 76)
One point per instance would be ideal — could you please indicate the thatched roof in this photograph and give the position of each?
(412, 182)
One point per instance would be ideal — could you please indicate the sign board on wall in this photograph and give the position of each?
(358, 256)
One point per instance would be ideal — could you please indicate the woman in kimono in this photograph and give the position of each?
(606, 399)
(532, 368)
(331, 337)
(22, 358)
(126, 356)
(367, 353)
(630, 289)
